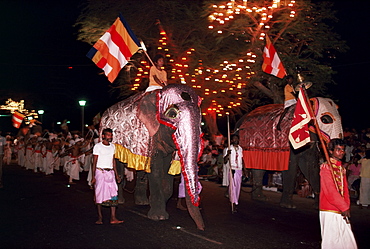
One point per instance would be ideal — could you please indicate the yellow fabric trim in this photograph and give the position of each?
(134, 161)
(332, 211)
(139, 162)
(175, 168)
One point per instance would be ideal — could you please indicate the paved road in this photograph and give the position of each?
(44, 212)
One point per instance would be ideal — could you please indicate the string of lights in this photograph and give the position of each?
(231, 77)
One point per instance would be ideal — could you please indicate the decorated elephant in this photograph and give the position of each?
(267, 148)
(149, 128)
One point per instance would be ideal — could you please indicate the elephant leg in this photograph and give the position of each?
(309, 166)
(141, 187)
(289, 177)
(120, 169)
(160, 186)
(194, 212)
(257, 193)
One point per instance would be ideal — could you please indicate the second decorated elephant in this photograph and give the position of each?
(148, 128)
(267, 148)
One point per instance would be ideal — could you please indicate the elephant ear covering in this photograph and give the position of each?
(178, 108)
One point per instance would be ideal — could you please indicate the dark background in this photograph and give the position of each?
(42, 62)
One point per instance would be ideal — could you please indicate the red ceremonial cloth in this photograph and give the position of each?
(265, 147)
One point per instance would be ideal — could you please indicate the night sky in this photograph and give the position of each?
(42, 62)
(353, 78)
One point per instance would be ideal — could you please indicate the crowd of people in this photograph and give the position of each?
(45, 152)
(48, 151)
(357, 164)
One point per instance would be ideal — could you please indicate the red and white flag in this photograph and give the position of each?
(113, 50)
(271, 61)
(299, 134)
(17, 119)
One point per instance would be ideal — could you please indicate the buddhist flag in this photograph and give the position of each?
(299, 134)
(96, 119)
(17, 119)
(271, 61)
(113, 50)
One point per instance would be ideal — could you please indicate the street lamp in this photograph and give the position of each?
(82, 104)
(40, 112)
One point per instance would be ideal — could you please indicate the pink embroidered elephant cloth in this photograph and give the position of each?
(265, 147)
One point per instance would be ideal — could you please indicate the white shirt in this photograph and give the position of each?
(236, 157)
(105, 155)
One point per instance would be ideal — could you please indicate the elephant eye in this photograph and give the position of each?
(185, 96)
(326, 119)
(172, 112)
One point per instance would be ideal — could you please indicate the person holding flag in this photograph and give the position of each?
(157, 75)
(289, 98)
(335, 203)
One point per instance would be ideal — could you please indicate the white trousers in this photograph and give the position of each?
(335, 232)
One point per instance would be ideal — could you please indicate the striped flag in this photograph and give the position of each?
(17, 119)
(271, 61)
(299, 134)
(96, 119)
(113, 50)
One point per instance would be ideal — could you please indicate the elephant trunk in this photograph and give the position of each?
(178, 108)
(194, 213)
(187, 138)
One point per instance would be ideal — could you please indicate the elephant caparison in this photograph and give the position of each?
(148, 128)
(267, 148)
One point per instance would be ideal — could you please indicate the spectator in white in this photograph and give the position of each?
(349, 149)
(104, 177)
(233, 157)
(365, 181)
(2, 143)
(8, 151)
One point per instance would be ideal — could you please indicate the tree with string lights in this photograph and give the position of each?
(216, 46)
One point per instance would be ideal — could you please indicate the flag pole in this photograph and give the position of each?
(229, 162)
(144, 49)
(317, 127)
(325, 149)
